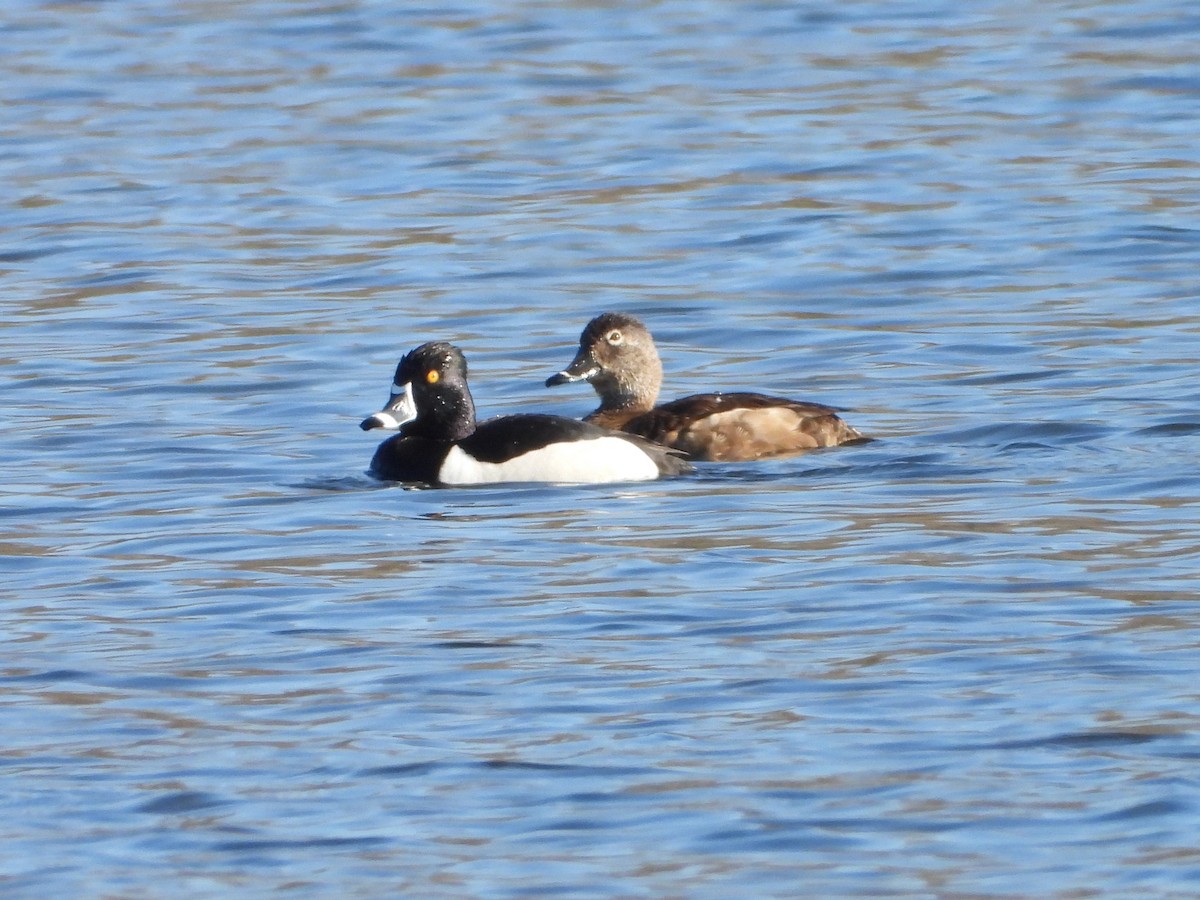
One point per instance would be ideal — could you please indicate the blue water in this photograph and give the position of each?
(959, 660)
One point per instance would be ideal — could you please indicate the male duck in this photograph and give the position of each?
(617, 355)
(440, 443)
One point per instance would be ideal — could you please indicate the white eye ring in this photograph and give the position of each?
(614, 337)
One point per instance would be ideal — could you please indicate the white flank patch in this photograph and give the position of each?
(593, 461)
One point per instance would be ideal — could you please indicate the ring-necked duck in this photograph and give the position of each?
(440, 443)
(618, 356)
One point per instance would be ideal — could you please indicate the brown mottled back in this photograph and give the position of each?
(733, 427)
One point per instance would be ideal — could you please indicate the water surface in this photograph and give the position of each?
(957, 660)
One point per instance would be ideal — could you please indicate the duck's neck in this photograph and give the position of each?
(629, 393)
(446, 419)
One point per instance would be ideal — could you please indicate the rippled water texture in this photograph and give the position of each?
(960, 660)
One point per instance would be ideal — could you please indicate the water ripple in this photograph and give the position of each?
(958, 659)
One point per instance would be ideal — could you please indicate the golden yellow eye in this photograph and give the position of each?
(432, 376)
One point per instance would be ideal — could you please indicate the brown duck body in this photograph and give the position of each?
(618, 356)
(733, 427)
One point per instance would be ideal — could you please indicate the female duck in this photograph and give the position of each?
(618, 356)
(440, 443)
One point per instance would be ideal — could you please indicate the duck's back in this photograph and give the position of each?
(527, 447)
(535, 447)
(740, 426)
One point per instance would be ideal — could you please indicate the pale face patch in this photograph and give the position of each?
(594, 461)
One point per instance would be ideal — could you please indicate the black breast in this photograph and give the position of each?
(409, 458)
